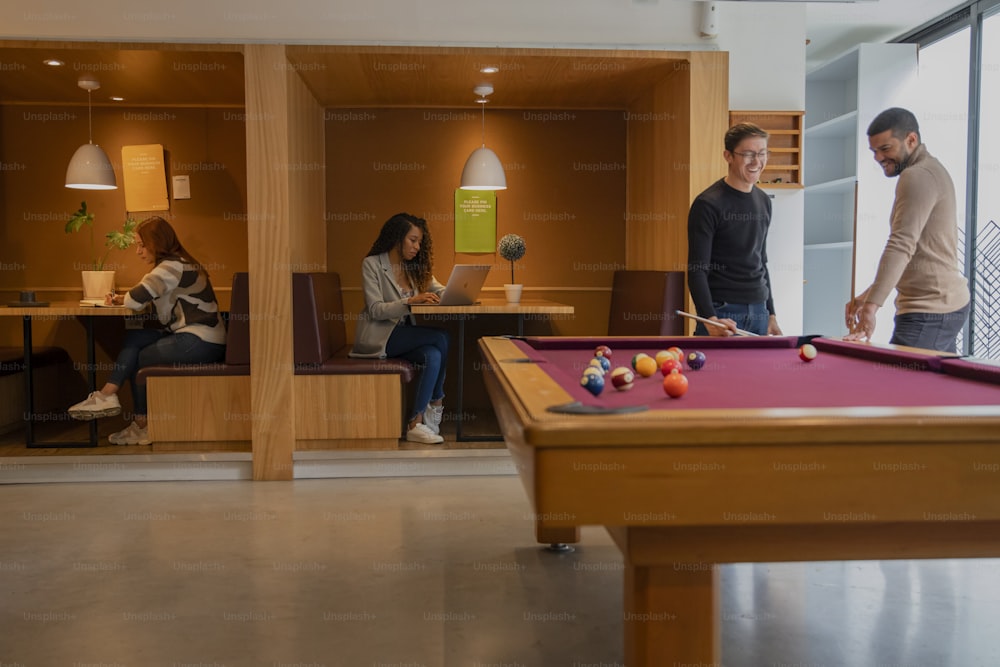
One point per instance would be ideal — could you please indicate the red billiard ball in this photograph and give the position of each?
(622, 378)
(602, 351)
(675, 385)
(807, 352)
(670, 364)
(677, 352)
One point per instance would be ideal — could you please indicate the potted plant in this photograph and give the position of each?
(96, 281)
(512, 248)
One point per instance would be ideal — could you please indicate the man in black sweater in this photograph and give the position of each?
(727, 235)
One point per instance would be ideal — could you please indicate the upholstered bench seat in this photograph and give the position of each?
(190, 405)
(340, 402)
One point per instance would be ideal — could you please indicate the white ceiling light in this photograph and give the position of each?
(90, 168)
(483, 170)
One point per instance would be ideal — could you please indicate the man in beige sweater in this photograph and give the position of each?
(920, 258)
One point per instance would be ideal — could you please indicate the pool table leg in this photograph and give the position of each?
(672, 615)
(556, 534)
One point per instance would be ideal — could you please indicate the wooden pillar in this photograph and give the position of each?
(286, 233)
(675, 143)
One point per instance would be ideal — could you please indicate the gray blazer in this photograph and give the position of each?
(385, 307)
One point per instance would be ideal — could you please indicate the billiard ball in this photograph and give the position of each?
(636, 358)
(677, 352)
(604, 362)
(622, 378)
(671, 364)
(675, 385)
(593, 383)
(696, 360)
(602, 351)
(593, 370)
(807, 352)
(661, 356)
(645, 366)
(595, 363)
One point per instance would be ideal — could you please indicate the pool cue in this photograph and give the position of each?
(739, 332)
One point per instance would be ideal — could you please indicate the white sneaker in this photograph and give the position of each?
(96, 405)
(432, 418)
(133, 434)
(421, 433)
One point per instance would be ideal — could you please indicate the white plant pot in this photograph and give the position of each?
(96, 284)
(513, 293)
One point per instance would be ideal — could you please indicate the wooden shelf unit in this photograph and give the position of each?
(784, 145)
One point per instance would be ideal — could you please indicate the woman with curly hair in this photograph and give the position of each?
(396, 274)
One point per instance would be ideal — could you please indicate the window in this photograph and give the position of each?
(986, 316)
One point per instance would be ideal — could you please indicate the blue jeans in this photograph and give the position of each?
(427, 349)
(748, 316)
(152, 347)
(931, 331)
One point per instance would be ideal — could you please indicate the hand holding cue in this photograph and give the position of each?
(739, 332)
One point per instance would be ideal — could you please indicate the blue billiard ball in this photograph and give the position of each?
(696, 360)
(604, 362)
(593, 383)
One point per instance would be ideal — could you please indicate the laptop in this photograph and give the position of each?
(464, 284)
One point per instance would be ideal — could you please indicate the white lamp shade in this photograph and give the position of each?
(483, 171)
(90, 169)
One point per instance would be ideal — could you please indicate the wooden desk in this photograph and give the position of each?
(487, 306)
(864, 453)
(59, 310)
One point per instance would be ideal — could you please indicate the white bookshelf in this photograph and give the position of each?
(842, 249)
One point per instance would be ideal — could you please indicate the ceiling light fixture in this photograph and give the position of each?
(52, 62)
(483, 170)
(90, 168)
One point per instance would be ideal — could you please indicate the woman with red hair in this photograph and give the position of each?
(192, 330)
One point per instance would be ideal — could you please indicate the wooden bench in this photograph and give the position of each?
(192, 405)
(340, 403)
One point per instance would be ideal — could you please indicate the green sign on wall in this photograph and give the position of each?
(475, 220)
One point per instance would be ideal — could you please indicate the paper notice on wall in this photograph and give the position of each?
(475, 221)
(145, 178)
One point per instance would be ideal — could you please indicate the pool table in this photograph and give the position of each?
(866, 452)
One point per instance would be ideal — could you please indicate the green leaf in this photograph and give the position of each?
(79, 219)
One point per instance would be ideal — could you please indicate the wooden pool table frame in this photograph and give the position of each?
(683, 490)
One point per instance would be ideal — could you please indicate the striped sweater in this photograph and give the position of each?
(184, 300)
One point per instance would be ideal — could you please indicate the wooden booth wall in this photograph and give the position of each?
(207, 144)
(566, 183)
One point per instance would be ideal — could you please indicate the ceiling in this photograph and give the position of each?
(834, 27)
(212, 75)
(340, 76)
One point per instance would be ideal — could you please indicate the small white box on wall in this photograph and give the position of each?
(182, 187)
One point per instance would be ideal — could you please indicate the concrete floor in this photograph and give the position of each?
(416, 572)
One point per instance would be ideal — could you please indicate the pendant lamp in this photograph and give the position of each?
(90, 168)
(483, 170)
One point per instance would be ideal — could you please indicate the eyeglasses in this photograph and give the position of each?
(748, 156)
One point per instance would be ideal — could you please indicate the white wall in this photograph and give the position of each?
(767, 46)
(766, 42)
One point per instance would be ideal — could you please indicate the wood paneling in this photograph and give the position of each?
(379, 76)
(167, 75)
(348, 406)
(675, 145)
(208, 145)
(199, 408)
(269, 126)
(306, 178)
